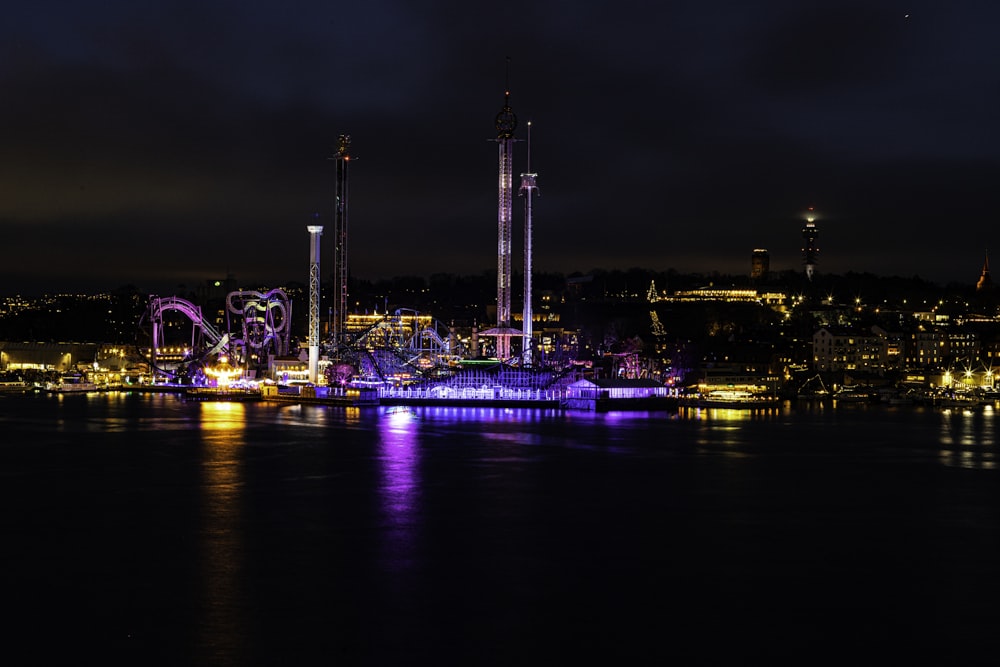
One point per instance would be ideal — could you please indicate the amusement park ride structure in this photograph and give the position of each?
(261, 322)
(401, 346)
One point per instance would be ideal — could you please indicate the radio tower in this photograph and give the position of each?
(343, 159)
(505, 124)
(810, 252)
(527, 188)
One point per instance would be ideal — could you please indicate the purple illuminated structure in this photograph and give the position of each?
(505, 124)
(528, 187)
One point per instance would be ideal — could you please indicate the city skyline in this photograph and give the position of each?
(165, 145)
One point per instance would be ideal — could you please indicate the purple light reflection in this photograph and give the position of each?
(455, 414)
(399, 457)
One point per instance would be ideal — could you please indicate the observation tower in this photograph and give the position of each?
(315, 232)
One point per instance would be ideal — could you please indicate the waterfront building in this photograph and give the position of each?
(60, 357)
(777, 301)
(846, 350)
(613, 393)
(893, 347)
(753, 378)
(925, 347)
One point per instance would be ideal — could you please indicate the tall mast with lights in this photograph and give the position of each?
(528, 187)
(505, 123)
(810, 253)
(343, 159)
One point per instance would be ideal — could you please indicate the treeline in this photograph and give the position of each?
(582, 299)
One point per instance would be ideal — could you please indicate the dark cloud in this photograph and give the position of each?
(830, 47)
(676, 136)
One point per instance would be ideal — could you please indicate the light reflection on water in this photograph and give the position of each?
(317, 416)
(399, 458)
(727, 426)
(967, 437)
(451, 414)
(223, 439)
(400, 503)
(732, 414)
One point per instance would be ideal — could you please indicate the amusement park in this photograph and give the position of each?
(246, 348)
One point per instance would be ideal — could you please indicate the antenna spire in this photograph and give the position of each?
(529, 147)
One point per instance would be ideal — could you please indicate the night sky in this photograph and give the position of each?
(166, 143)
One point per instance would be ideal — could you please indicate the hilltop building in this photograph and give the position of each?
(760, 265)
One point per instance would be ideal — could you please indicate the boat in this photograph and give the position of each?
(222, 394)
(901, 399)
(962, 399)
(732, 398)
(15, 387)
(853, 394)
(814, 389)
(69, 384)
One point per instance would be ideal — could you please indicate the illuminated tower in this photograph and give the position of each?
(527, 188)
(315, 232)
(985, 281)
(343, 159)
(505, 123)
(810, 253)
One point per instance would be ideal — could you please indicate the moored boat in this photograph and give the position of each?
(731, 398)
(854, 394)
(72, 384)
(222, 394)
(15, 387)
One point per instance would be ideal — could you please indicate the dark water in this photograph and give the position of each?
(150, 530)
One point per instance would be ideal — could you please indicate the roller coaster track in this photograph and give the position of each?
(205, 339)
(390, 346)
(266, 320)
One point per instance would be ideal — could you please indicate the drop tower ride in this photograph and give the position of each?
(505, 124)
(343, 159)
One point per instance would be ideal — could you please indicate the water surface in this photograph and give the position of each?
(197, 533)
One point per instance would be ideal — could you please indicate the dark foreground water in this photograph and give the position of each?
(148, 530)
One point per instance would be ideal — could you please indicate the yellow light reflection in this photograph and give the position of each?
(223, 416)
(967, 438)
(223, 426)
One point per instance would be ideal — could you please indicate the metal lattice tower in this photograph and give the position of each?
(343, 159)
(505, 123)
(315, 232)
(528, 187)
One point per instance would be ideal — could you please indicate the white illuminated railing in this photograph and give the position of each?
(469, 394)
